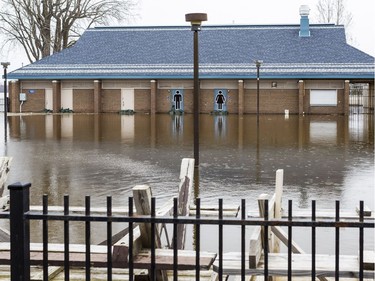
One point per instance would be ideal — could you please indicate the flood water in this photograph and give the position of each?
(325, 158)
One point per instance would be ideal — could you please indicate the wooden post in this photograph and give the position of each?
(121, 248)
(142, 202)
(4, 169)
(184, 190)
(263, 197)
(279, 192)
(278, 204)
(271, 212)
(278, 235)
(255, 251)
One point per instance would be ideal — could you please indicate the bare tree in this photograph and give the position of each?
(333, 11)
(43, 27)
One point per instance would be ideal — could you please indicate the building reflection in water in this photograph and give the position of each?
(127, 128)
(323, 132)
(66, 126)
(220, 126)
(110, 153)
(177, 125)
(325, 158)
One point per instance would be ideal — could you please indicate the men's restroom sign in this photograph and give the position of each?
(178, 99)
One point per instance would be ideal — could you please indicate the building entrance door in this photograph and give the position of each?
(67, 99)
(127, 99)
(48, 99)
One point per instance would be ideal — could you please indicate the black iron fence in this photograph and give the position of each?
(361, 99)
(20, 217)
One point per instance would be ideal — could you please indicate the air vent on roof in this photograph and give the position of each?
(304, 12)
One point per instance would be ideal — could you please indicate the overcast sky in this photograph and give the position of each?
(172, 12)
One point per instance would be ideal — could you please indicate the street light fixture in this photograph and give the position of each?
(258, 63)
(196, 20)
(5, 66)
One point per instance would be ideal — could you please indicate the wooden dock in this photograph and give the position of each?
(120, 251)
(301, 261)
(5, 163)
(4, 170)
(209, 263)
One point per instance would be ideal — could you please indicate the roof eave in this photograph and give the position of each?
(185, 77)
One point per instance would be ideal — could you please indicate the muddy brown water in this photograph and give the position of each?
(325, 158)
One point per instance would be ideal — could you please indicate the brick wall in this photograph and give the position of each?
(14, 90)
(271, 101)
(250, 103)
(232, 102)
(277, 101)
(83, 100)
(189, 100)
(111, 100)
(35, 102)
(142, 100)
(206, 101)
(163, 103)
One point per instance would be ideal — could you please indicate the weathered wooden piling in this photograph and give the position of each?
(4, 169)
(4, 200)
(297, 263)
(154, 256)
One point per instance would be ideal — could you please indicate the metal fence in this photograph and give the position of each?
(360, 97)
(20, 217)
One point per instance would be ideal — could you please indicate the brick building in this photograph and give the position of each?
(306, 69)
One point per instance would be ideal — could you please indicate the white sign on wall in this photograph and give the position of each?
(323, 98)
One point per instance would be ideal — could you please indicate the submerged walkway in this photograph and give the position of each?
(158, 258)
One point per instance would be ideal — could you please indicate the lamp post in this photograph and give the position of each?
(196, 20)
(5, 66)
(258, 63)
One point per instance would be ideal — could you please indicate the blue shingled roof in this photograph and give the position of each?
(225, 52)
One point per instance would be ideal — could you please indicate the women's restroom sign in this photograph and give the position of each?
(220, 99)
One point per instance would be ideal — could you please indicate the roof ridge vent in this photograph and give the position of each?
(304, 12)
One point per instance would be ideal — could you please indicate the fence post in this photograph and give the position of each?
(19, 231)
